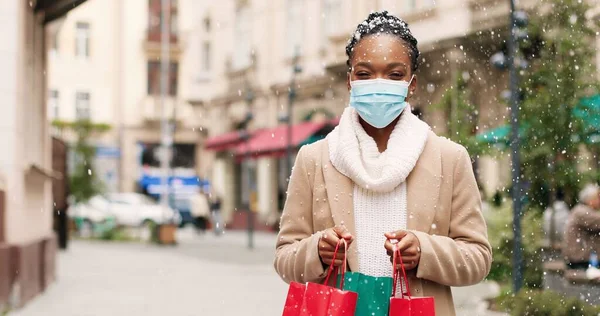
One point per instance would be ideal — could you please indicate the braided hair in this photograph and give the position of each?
(385, 23)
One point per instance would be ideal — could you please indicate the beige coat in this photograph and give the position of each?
(444, 212)
(582, 234)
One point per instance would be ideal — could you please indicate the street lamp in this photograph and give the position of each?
(296, 69)
(518, 21)
(246, 137)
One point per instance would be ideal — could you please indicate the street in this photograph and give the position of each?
(202, 275)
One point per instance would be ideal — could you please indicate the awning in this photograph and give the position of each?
(588, 110)
(224, 141)
(274, 141)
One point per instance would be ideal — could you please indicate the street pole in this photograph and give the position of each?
(290, 109)
(250, 214)
(514, 145)
(166, 139)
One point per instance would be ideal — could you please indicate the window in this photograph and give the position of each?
(82, 106)
(155, 19)
(243, 32)
(206, 56)
(54, 42)
(294, 27)
(331, 18)
(154, 78)
(53, 110)
(82, 40)
(412, 5)
(207, 23)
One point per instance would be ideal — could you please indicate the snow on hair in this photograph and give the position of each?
(384, 23)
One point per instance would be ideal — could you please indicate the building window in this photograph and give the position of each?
(155, 20)
(54, 42)
(154, 78)
(206, 56)
(82, 106)
(82, 39)
(295, 27)
(243, 40)
(207, 25)
(53, 103)
(415, 5)
(331, 18)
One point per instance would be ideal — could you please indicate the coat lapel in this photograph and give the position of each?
(423, 188)
(339, 195)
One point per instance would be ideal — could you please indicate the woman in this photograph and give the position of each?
(383, 177)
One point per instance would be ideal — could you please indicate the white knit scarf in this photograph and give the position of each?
(380, 199)
(355, 154)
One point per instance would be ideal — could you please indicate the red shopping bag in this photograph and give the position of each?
(315, 299)
(407, 305)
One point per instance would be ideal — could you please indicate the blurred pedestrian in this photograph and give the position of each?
(382, 177)
(200, 210)
(215, 211)
(582, 232)
(555, 218)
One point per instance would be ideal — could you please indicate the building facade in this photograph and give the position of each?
(104, 65)
(27, 242)
(246, 54)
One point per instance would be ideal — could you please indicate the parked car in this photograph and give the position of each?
(135, 209)
(128, 209)
(91, 218)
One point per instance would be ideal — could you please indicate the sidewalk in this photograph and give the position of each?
(202, 275)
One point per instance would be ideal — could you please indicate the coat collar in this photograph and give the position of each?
(423, 189)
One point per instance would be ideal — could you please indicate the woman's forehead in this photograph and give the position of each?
(381, 48)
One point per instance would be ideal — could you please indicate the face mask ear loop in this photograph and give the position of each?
(409, 82)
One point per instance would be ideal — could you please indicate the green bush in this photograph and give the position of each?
(544, 303)
(501, 239)
(115, 234)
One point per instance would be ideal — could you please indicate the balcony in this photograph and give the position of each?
(152, 44)
(493, 14)
(154, 35)
(151, 109)
(335, 55)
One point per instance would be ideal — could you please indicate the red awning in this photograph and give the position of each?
(274, 141)
(224, 141)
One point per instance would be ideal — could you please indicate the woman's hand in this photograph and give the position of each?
(408, 245)
(329, 239)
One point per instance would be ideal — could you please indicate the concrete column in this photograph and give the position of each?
(223, 181)
(267, 188)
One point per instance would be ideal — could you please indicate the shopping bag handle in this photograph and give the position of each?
(331, 267)
(396, 273)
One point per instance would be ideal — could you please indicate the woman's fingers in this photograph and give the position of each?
(329, 254)
(336, 263)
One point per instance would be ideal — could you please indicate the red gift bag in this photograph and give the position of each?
(315, 299)
(407, 305)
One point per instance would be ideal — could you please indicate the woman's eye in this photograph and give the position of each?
(396, 75)
(362, 74)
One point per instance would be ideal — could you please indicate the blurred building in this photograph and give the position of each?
(245, 54)
(27, 242)
(104, 65)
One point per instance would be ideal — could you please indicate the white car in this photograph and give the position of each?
(135, 209)
(128, 209)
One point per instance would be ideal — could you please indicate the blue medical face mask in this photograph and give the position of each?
(379, 101)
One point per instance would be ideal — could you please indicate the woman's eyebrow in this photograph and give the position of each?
(363, 64)
(395, 65)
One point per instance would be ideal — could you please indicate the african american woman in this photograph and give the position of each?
(383, 179)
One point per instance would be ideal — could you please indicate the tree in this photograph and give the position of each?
(83, 182)
(462, 123)
(559, 74)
